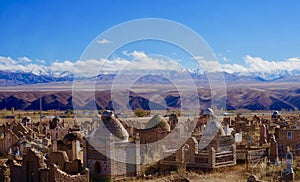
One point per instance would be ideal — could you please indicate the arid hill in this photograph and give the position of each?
(236, 98)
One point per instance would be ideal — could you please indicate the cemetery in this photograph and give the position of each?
(109, 147)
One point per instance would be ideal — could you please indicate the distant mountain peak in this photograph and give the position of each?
(22, 78)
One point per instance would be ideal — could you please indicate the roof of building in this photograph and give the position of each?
(72, 137)
(208, 111)
(110, 126)
(158, 121)
(275, 113)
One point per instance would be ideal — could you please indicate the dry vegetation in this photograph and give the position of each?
(235, 173)
(238, 173)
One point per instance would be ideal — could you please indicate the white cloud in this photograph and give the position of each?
(225, 58)
(104, 41)
(252, 64)
(135, 54)
(208, 65)
(140, 61)
(257, 64)
(88, 68)
(41, 61)
(7, 60)
(294, 59)
(234, 68)
(62, 66)
(24, 59)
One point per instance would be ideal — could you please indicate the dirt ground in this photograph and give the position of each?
(232, 174)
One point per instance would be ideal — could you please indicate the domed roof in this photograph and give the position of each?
(111, 125)
(107, 113)
(26, 118)
(208, 111)
(275, 113)
(173, 116)
(56, 119)
(158, 121)
(212, 128)
(72, 137)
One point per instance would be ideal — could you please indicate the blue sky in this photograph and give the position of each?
(60, 30)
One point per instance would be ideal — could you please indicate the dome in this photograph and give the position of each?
(158, 121)
(208, 111)
(26, 118)
(213, 128)
(107, 114)
(72, 137)
(54, 122)
(173, 116)
(275, 113)
(111, 125)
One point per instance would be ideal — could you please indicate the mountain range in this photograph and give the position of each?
(243, 92)
(8, 78)
(21, 78)
(237, 98)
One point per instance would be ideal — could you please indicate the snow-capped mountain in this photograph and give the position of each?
(21, 78)
(8, 78)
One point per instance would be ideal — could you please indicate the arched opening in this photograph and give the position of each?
(97, 168)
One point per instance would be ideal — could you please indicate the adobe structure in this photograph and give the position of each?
(288, 137)
(33, 156)
(108, 153)
(35, 167)
(112, 148)
(205, 150)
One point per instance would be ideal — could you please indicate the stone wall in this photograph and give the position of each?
(204, 158)
(4, 173)
(44, 175)
(108, 166)
(6, 143)
(34, 168)
(189, 152)
(59, 158)
(16, 173)
(150, 135)
(57, 175)
(284, 141)
(32, 162)
(73, 167)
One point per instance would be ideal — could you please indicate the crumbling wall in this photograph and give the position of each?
(73, 167)
(57, 175)
(16, 173)
(150, 135)
(59, 158)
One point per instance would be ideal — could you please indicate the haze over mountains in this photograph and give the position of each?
(243, 92)
(22, 78)
(8, 78)
(239, 98)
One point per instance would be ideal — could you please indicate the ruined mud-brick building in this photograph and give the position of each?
(56, 130)
(156, 134)
(288, 137)
(212, 148)
(107, 152)
(70, 144)
(35, 167)
(4, 170)
(10, 135)
(220, 152)
(37, 163)
(155, 129)
(244, 126)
